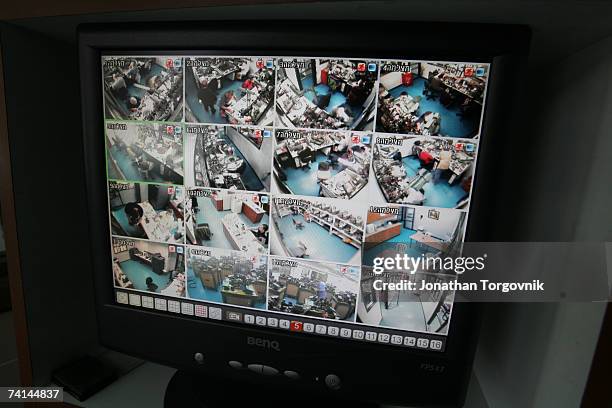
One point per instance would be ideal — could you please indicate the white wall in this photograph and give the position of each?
(406, 146)
(545, 349)
(442, 228)
(427, 68)
(391, 79)
(373, 316)
(189, 148)
(259, 159)
(292, 76)
(320, 67)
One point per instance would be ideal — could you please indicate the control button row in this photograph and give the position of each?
(216, 313)
(263, 369)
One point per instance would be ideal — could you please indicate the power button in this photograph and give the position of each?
(332, 381)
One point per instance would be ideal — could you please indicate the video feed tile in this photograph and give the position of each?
(313, 289)
(322, 163)
(230, 90)
(228, 220)
(147, 211)
(418, 311)
(317, 229)
(143, 88)
(417, 232)
(149, 152)
(149, 266)
(326, 93)
(232, 157)
(225, 276)
(416, 170)
(431, 98)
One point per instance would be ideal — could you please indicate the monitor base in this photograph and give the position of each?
(198, 391)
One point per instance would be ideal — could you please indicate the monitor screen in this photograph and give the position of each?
(264, 190)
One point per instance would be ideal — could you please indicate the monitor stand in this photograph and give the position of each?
(190, 390)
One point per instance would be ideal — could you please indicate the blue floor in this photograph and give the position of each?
(304, 182)
(138, 273)
(403, 237)
(128, 166)
(249, 178)
(191, 94)
(290, 299)
(440, 194)
(113, 174)
(196, 290)
(130, 230)
(320, 243)
(450, 124)
(209, 214)
(337, 98)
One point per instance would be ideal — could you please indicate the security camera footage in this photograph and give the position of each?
(261, 189)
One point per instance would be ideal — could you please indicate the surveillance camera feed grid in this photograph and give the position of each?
(195, 143)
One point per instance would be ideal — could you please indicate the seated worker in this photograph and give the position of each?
(248, 84)
(261, 233)
(306, 155)
(132, 74)
(415, 197)
(132, 103)
(134, 213)
(322, 101)
(340, 148)
(226, 102)
(151, 286)
(322, 290)
(426, 159)
(119, 86)
(416, 148)
(145, 168)
(443, 165)
(342, 113)
(397, 156)
(349, 155)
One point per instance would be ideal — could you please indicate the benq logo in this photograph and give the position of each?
(263, 343)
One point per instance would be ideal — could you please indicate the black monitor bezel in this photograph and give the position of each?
(124, 327)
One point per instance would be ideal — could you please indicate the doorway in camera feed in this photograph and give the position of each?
(149, 266)
(426, 311)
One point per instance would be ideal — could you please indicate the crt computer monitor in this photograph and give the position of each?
(243, 178)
